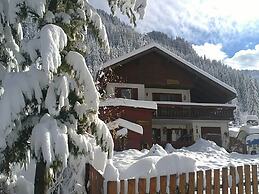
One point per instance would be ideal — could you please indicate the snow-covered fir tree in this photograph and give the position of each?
(253, 103)
(48, 100)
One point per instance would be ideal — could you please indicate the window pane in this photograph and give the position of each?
(128, 93)
(167, 97)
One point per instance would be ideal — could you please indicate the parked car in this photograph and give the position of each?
(247, 140)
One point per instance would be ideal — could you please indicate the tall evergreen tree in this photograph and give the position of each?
(253, 103)
(49, 103)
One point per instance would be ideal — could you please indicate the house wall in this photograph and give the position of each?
(186, 97)
(197, 125)
(153, 71)
(140, 116)
(157, 70)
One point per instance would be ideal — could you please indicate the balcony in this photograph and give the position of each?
(194, 111)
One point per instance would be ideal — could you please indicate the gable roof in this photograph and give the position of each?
(153, 46)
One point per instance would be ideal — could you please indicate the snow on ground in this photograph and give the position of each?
(200, 156)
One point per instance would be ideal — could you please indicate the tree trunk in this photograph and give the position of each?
(41, 178)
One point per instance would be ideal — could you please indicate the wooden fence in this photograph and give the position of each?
(233, 180)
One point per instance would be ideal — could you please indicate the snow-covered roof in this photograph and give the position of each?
(128, 103)
(250, 129)
(251, 117)
(233, 131)
(127, 124)
(195, 104)
(171, 54)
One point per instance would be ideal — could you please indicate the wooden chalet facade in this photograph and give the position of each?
(174, 101)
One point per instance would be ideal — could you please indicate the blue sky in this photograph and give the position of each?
(226, 30)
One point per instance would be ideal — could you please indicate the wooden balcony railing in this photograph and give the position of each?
(194, 111)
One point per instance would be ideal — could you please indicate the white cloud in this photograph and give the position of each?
(211, 51)
(202, 21)
(243, 59)
(232, 15)
(218, 19)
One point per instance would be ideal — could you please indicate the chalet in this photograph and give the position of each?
(173, 100)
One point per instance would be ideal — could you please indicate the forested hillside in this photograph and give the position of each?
(124, 38)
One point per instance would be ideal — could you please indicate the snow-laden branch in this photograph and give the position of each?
(129, 8)
(58, 88)
(50, 140)
(50, 41)
(91, 96)
(17, 88)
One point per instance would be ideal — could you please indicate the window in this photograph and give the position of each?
(128, 93)
(167, 97)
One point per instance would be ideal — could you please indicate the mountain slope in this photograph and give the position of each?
(124, 38)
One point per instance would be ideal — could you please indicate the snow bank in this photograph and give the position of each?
(156, 150)
(202, 155)
(111, 173)
(156, 163)
(202, 145)
(144, 168)
(175, 164)
(100, 159)
(169, 148)
(22, 186)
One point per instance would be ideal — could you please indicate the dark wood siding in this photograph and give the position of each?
(140, 116)
(212, 134)
(156, 69)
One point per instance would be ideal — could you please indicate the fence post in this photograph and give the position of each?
(172, 184)
(131, 186)
(247, 180)
(122, 186)
(200, 182)
(216, 186)
(233, 184)
(240, 183)
(224, 180)
(191, 185)
(163, 184)
(208, 181)
(111, 187)
(255, 181)
(152, 185)
(182, 183)
(87, 177)
(142, 186)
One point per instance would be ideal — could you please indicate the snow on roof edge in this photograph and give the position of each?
(128, 103)
(195, 104)
(155, 45)
(129, 125)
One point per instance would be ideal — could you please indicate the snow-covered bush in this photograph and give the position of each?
(48, 100)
